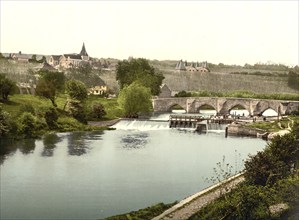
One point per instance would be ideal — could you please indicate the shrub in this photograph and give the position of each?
(98, 110)
(27, 125)
(76, 109)
(27, 107)
(69, 124)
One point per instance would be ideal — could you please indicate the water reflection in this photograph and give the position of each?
(8, 147)
(50, 142)
(27, 146)
(79, 142)
(135, 140)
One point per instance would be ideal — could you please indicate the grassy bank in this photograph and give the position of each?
(274, 126)
(32, 116)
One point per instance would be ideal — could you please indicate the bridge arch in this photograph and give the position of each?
(269, 112)
(206, 109)
(197, 103)
(229, 104)
(241, 110)
(177, 107)
(264, 105)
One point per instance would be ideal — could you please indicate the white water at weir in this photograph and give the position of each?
(161, 122)
(142, 125)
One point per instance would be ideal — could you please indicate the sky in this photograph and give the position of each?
(229, 32)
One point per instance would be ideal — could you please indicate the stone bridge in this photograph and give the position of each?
(224, 105)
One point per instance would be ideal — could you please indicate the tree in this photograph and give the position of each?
(7, 87)
(76, 90)
(76, 109)
(98, 110)
(27, 125)
(134, 99)
(50, 84)
(139, 70)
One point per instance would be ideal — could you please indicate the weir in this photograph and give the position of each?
(199, 123)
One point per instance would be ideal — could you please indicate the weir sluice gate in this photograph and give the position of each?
(199, 123)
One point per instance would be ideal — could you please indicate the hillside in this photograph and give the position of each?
(226, 82)
(218, 80)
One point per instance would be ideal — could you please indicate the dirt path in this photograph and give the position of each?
(189, 206)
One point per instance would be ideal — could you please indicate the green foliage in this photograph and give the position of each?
(143, 214)
(50, 84)
(139, 70)
(183, 94)
(135, 99)
(7, 87)
(69, 124)
(77, 110)
(98, 110)
(85, 74)
(51, 117)
(275, 162)
(4, 123)
(27, 125)
(76, 90)
(27, 107)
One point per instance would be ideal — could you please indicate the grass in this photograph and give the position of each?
(15, 102)
(273, 126)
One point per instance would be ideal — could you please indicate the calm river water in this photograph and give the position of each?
(92, 175)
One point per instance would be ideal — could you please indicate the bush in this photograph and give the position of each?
(27, 107)
(69, 124)
(98, 110)
(76, 109)
(27, 125)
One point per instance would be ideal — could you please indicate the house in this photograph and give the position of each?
(97, 90)
(165, 91)
(54, 60)
(21, 57)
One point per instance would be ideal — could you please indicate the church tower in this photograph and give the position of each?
(83, 53)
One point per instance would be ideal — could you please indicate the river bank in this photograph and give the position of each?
(192, 204)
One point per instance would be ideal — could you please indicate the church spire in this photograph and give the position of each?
(83, 51)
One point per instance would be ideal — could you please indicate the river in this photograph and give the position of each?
(92, 175)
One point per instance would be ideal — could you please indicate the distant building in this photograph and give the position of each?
(193, 67)
(74, 59)
(54, 60)
(165, 91)
(180, 66)
(97, 90)
(21, 57)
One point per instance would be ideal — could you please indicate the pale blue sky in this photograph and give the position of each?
(231, 32)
